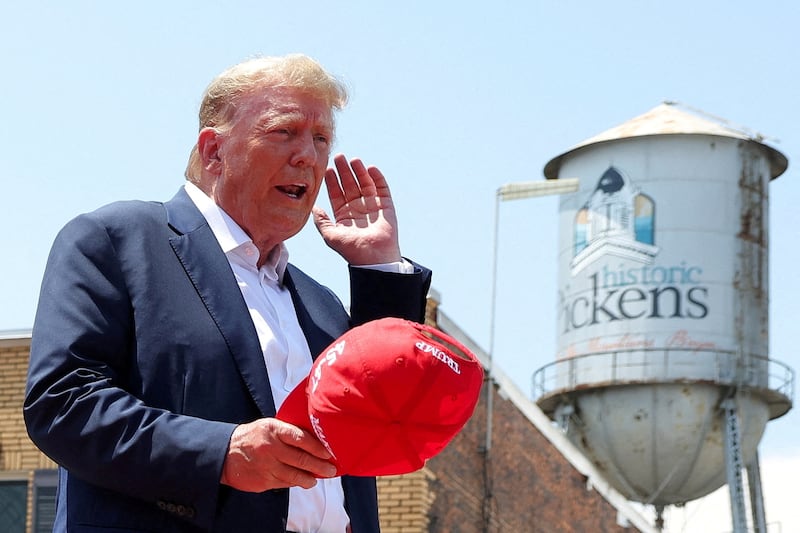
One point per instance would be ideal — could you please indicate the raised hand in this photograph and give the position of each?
(364, 226)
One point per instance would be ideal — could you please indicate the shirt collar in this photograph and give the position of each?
(233, 239)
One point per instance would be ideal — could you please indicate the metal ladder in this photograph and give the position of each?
(735, 473)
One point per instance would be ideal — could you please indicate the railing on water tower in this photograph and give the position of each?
(771, 378)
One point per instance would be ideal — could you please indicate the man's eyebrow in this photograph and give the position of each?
(277, 116)
(289, 114)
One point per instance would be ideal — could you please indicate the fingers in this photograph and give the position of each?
(335, 192)
(269, 454)
(362, 227)
(379, 182)
(351, 180)
(300, 466)
(302, 444)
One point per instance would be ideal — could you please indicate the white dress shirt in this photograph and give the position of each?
(286, 354)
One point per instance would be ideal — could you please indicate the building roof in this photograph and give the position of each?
(670, 118)
(507, 389)
(15, 337)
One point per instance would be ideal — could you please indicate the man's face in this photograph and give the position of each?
(272, 160)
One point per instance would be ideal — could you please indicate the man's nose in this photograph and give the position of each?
(305, 151)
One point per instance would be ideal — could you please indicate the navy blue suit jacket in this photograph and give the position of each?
(144, 359)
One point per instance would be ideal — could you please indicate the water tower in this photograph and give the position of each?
(663, 377)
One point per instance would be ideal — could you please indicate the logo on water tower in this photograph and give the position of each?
(617, 219)
(616, 280)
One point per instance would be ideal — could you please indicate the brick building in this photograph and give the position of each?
(27, 477)
(531, 480)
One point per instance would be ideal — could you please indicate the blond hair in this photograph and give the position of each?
(294, 70)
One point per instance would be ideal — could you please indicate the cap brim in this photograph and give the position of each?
(294, 409)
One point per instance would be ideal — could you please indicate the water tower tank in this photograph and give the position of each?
(663, 302)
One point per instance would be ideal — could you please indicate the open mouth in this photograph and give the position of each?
(293, 191)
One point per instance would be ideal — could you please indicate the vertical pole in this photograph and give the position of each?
(756, 495)
(511, 191)
(490, 373)
(733, 463)
(487, 467)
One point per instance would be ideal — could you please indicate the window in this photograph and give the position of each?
(44, 500)
(13, 503)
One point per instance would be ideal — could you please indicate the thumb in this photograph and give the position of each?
(321, 219)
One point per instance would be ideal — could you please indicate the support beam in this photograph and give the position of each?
(733, 464)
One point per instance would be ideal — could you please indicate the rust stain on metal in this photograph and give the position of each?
(752, 189)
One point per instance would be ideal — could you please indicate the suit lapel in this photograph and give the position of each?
(210, 273)
(319, 313)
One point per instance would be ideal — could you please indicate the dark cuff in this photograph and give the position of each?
(375, 294)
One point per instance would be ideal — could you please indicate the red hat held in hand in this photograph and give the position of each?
(386, 396)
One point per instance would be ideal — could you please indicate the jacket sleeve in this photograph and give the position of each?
(77, 410)
(375, 294)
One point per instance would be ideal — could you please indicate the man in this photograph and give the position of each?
(167, 334)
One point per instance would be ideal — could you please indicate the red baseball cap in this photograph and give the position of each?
(386, 396)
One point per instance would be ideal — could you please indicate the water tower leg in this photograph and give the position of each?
(733, 464)
(563, 414)
(659, 518)
(756, 495)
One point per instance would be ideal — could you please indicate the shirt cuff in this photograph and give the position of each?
(397, 267)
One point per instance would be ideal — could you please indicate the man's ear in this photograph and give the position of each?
(209, 141)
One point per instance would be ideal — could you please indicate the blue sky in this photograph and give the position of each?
(450, 100)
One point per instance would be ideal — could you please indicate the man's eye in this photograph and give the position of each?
(321, 139)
